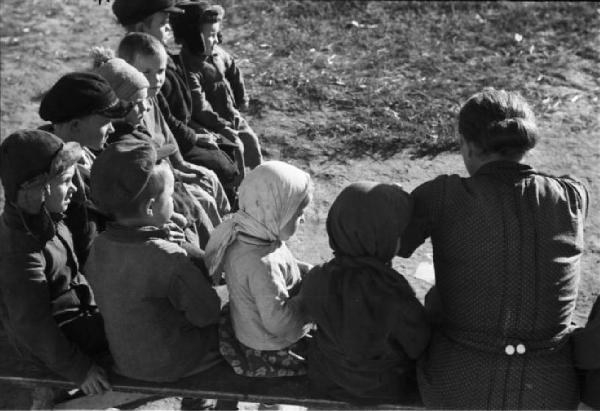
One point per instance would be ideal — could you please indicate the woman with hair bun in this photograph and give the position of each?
(507, 242)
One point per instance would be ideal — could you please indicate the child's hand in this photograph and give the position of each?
(96, 381)
(207, 139)
(202, 172)
(230, 134)
(180, 220)
(223, 294)
(244, 106)
(175, 234)
(304, 267)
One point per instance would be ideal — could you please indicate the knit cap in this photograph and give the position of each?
(125, 79)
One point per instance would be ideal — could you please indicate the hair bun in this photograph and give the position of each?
(511, 134)
(100, 56)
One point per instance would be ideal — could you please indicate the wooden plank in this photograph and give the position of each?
(218, 382)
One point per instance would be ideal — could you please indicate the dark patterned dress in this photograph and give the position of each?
(507, 244)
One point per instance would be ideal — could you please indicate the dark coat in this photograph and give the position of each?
(42, 289)
(587, 357)
(175, 103)
(506, 247)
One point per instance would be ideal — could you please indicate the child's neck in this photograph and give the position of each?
(134, 222)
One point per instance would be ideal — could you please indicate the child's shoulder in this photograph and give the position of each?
(257, 256)
(16, 241)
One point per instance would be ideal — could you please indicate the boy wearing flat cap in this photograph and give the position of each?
(160, 310)
(81, 107)
(46, 306)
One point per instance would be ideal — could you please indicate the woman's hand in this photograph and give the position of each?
(207, 140)
(96, 381)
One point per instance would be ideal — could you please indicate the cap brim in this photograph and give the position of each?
(165, 151)
(174, 9)
(118, 110)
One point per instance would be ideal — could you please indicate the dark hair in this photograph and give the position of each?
(498, 121)
(137, 43)
(187, 27)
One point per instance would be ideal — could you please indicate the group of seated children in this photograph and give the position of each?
(118, 234)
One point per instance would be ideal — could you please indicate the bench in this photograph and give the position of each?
(219, 382)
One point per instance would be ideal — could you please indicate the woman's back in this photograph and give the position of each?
(506, 244)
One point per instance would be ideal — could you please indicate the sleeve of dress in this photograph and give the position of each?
(235, 79)
(184, 136)
(27, 301)
(191, 292)
(579, 197)
(202, 111)
(280, 315)
(428, 200)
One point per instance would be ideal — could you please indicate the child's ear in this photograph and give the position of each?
(74, 126)
(148, 208)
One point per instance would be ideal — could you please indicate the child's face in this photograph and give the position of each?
(209, 36)
(162, 207)
(61, 189)
(158, 26)
(292, 226)
(154, 68)
(92, 131)
(140, 106)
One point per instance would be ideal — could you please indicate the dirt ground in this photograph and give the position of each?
(296, 108)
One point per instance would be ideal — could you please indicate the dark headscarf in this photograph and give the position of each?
(371, 325)
(366, 220)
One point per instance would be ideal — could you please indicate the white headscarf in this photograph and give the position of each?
(269, 196)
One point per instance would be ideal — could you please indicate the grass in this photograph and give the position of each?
(395, 73)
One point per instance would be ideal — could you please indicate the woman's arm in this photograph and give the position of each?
(428, 201)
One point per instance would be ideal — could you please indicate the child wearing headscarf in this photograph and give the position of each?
(370, 326)
(262, 336)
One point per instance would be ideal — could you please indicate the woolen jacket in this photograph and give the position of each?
(41, 289)
(160, 311)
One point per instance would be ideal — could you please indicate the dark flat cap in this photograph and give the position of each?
(81, 94)
(135, 11)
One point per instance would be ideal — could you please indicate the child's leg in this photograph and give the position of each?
(252, 154)
(223, 166)
(87, 332)
(209, 182)
(208, 203)
(186, 204)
